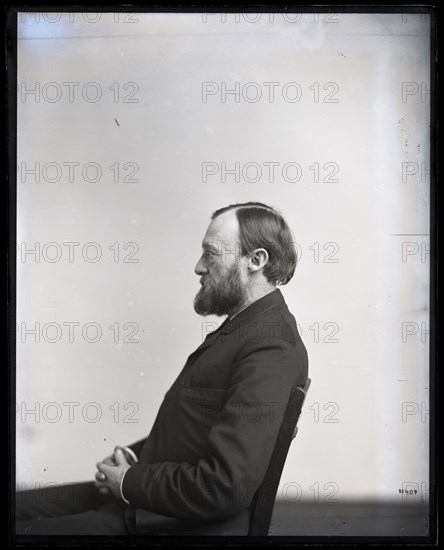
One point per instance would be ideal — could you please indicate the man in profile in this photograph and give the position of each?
(212, 440)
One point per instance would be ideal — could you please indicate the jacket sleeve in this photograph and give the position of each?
(240, 442)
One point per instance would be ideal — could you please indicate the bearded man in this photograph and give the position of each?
(212, 440)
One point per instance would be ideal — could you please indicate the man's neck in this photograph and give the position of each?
(252, 299)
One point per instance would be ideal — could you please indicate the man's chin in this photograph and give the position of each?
(211, 303)
(205, 310)
(200, 308)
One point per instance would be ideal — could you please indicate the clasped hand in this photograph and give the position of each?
(110, 472)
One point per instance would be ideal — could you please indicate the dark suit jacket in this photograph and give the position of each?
(212, 439)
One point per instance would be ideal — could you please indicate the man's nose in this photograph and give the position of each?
(200, 268)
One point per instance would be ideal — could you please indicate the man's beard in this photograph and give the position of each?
(222, 299)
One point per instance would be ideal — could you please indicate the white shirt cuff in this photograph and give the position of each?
(132, 453)
(121, 488)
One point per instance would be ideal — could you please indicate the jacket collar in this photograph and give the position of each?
(253, 310)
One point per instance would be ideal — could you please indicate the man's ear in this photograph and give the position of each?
(258, 259)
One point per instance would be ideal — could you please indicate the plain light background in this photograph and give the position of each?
(353, 438)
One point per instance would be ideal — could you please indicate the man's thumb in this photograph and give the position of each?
(120, 457)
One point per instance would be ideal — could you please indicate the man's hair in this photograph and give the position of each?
(261, 226)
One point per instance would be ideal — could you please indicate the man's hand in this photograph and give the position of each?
(110, 473)
(109, 460)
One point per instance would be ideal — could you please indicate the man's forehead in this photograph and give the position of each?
(223, 228)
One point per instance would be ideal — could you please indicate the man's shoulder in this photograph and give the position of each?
(279, 314)
(275, 326)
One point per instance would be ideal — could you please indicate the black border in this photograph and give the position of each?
(11, 217)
